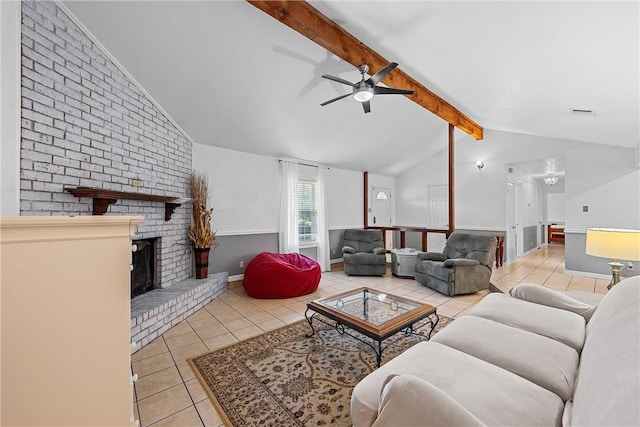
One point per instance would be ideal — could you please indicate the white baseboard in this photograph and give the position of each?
(587, 274)
(236, 278)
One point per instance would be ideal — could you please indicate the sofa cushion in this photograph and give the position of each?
(607, 391)
(560, 325)
(457, 262)
(435, 269)
(364, 258)
(553, 367)
(363, 240)
(472, 246)
(491, 394)
(545, 296)
(428, 405)
(585, 297)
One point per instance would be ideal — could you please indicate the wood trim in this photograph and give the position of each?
(103, 198)
(311, 23)
(452, 180)
(403, 230)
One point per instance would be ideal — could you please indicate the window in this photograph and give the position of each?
(307, 211)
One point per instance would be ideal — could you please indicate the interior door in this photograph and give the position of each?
(437, 215)
(381, 207)
(511, 225)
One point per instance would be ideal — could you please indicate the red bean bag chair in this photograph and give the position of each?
(270, 275)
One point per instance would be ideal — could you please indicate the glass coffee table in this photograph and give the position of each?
(372, 313)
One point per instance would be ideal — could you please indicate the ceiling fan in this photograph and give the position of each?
(364, 90)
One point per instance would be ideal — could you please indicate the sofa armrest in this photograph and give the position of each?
(379, 251)
(545, 296)
(458, 262)
(407, 400)
(348, 250)
(431, 256)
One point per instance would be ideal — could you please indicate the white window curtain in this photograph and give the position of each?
(322, 249)
(288, 237)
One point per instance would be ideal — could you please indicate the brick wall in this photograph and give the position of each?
(84, 123)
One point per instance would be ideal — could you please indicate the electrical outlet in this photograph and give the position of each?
(333, 252)
(241, 264)
(629, 265)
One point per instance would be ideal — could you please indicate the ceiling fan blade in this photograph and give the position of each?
(373, 80)
(366, 105)
(335, 99)
(391, 91)
(338, 79)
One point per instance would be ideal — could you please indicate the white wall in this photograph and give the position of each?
(345, 199)
(412, 189)
(604, 178)
(244, 189)
(10, 107)
(480, 195)
(555, 207)
(608, 182)
(245, 192)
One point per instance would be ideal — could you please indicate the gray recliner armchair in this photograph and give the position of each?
(363, 253)
(464, 266)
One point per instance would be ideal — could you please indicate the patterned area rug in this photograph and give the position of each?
(285, 378)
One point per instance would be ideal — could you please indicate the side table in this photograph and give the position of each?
(403, 262)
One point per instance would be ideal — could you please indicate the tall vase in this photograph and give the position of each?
(202, 262)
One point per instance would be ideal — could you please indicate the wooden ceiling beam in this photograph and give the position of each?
(311, 23)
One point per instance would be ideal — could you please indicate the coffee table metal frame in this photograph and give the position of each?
(410, 312)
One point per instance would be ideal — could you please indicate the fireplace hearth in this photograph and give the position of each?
(144, 261)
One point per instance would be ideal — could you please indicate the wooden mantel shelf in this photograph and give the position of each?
(103, 198)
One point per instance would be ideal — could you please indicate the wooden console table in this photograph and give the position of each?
(102, 199)
(555, 233)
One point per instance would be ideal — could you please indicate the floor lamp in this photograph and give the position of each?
(615, 244)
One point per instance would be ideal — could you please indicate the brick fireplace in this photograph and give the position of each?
(86, 123)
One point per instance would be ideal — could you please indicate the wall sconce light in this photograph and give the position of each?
(550, 180)
(480, 164)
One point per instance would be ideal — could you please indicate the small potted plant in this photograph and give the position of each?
(201, 236)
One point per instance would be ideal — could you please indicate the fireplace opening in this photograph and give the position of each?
(143, 259)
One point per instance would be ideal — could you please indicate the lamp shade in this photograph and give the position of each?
(614, 243)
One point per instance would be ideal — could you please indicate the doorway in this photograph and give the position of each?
(437, 215)
(511, 225)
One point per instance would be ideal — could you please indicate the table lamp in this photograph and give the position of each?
(615, 244)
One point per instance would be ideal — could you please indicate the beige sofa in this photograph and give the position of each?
(535, 357)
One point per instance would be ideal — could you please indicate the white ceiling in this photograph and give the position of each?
(234, 77)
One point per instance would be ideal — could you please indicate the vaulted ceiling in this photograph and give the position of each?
(234, 77)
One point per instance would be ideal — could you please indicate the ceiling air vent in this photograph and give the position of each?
(582, 112)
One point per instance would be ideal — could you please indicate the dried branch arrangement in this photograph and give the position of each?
(200, 232)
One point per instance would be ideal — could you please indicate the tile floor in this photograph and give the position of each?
(167, 392)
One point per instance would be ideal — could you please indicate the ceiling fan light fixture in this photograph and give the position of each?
(363, 94)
